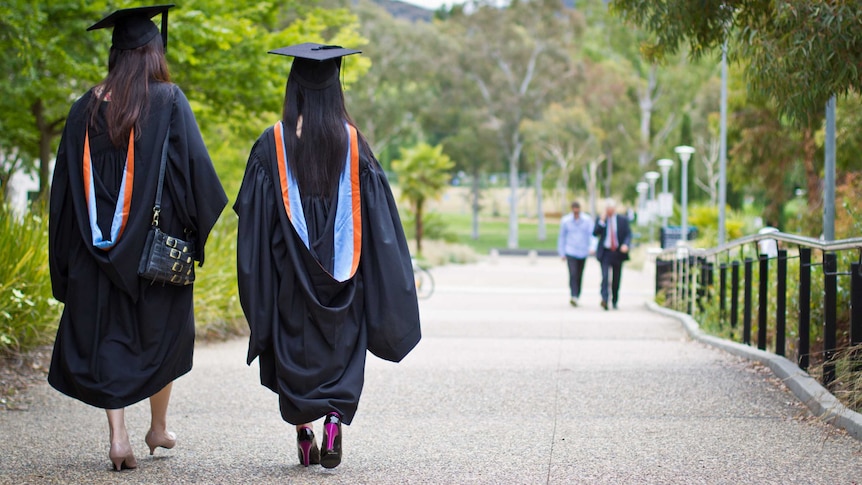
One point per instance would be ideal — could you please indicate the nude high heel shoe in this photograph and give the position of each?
(122, 457)
(167, 441)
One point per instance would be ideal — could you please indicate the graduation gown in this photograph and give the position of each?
(309, 331)
(122, 338)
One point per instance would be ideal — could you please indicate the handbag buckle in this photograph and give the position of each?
(175, 254)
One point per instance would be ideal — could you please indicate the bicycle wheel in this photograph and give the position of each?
(424, 282)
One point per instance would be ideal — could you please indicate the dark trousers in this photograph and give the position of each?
(576, 274)
(612, 268)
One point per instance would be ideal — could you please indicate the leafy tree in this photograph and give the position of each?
(518, 58)
(801, 52)
(216, 52)
(423, 172)
(391, 99)
(49, 59)
(565, 135)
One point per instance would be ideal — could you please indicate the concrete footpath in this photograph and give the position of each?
(510, 385)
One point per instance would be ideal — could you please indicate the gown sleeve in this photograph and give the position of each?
(199, 194)
(257, 276)
(61, 223)
(391, 307)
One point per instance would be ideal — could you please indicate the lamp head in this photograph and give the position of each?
(684, 152)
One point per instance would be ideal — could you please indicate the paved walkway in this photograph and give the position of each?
(510, 385)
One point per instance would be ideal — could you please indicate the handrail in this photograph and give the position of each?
(810, 242)
(684, 275)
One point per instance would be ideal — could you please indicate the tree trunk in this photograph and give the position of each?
(513, 197)
(609, 173)
(44, 148)
(812, 175)
(646, 103)
(47, 132)
(540, 213)
(475, 205)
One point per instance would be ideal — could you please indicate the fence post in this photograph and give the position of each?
(830, 306)
(692, 284)
(855, 304)
(763, 302)
(676, 282)
(746, 308)
(781, 303)
(804, 307)
(734, 296)
(722, 291)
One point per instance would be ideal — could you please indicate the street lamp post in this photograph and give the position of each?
(651, 178)
(652, 204)
(684, 152)
(642, 189)
(665, 206)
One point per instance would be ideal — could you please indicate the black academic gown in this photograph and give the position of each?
(309, 332)
(121, 338)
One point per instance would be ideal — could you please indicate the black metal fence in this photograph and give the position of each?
(686, 281)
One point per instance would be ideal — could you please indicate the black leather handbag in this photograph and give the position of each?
(166, 259)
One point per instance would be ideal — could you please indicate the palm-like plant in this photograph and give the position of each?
(423, 173)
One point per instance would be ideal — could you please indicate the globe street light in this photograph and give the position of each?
(684, 152)
(665, 200)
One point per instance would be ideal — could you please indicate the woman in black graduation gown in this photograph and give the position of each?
(122, 338)
(323, 266)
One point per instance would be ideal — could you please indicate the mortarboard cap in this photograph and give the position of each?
(315, 66)
(133, 27)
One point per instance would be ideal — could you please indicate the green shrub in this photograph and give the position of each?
(218, 313)
(28, 312)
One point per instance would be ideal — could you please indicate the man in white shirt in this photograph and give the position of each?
(573, 245)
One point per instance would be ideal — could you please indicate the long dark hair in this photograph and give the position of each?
(316, 159)
(127, 84)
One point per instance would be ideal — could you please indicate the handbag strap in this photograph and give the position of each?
(157, 208)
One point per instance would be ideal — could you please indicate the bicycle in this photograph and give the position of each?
(424, 281)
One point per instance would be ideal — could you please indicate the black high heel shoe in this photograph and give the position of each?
(309, 453)
(330, 455)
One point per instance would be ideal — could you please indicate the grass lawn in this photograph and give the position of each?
(494, 232)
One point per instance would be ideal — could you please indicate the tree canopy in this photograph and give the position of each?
(800, 53)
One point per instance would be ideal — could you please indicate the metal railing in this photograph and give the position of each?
(685, 278)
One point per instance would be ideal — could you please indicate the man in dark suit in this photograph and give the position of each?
(614, 238)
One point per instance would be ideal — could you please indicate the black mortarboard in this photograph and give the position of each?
(315, 66)
(133, 27)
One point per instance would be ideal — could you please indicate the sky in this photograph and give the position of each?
(431, 4)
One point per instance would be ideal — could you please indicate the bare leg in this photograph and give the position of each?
(158, 435)
(121, 450)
